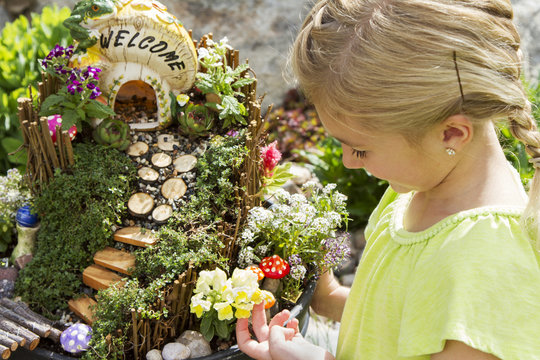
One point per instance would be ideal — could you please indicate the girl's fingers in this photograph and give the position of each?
(259, 322)
(249, 346)
(280, 318)
(293, 324)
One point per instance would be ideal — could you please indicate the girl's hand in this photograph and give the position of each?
(275, 341)
(259, 349)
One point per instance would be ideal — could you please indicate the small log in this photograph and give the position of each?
(68, 148)
(137, 149)
(6, 353)
(8, 342)
(51, 151)
(60, 143)
(161, 160)
(140, 204)
(135, 235)
(135, 334)
(20, 340)
(22, 309)
(32, 340)
(147, 174)
(167, 142)
(38, 328)
(185, 163)
(173, 188)
(162, 213)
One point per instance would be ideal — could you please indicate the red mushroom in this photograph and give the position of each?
(257, 270)
(274, 267)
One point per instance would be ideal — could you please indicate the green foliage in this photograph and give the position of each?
(220, 79)
(216, 182)
(195, 120)
(361, 188)
(22, 43)
(77, 211)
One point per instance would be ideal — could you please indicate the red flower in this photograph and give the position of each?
(270, 156)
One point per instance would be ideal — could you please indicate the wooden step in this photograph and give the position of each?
(99, 278)
(115, 259)
(81, 307)
(134, 235)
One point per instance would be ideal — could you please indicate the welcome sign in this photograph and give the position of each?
(136, 41)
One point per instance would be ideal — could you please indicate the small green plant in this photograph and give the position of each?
(22, 43)
(13, 195)
(112, 133)
(77, 212)
(220, 79)
(195, 120)
(76, 100)
(217, 172)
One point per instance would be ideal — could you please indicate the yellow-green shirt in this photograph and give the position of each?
(472, 277)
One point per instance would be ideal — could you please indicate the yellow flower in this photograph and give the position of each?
(257, 296)
(199, 305)
(243, 311)
(224, 310)
(182, 99)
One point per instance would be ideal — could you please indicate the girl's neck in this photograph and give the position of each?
(482, 177)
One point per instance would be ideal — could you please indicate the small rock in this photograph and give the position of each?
(196, 342)
(7, 288)
(154, 355)
(175, 351)
(301, 175)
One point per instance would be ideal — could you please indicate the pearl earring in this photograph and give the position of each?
(450, 151)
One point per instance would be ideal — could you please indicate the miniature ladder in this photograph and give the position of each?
(108, 263)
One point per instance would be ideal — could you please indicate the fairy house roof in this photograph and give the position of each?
(144, 52)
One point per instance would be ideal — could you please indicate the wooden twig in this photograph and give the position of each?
(135, 334)
(69, 149)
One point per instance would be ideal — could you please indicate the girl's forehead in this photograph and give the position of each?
(344, 129)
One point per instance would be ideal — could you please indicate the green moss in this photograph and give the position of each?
(77, 211)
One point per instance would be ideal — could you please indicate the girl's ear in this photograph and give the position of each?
(456, 131)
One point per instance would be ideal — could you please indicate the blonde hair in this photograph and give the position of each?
(405, 65)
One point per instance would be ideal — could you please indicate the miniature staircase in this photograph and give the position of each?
(108, 263)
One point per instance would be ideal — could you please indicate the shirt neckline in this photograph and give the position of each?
(404, 237)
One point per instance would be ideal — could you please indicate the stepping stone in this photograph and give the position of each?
(115, 259)
(162, 213)
(161, 160)
(99, 278)
(173, 188)
(166, 142)
(137, 149)
(185, 163)
(148, 174)
(135, 235)
(81, 307)
(140, 204)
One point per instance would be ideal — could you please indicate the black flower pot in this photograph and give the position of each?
(229, 354)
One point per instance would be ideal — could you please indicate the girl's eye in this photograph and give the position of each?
(359, 153)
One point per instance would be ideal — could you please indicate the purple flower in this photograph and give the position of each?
(294, 260)
(95, 93)
(91, 86)
(232, 133)
(337, 250)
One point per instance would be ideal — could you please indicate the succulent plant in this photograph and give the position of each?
(196, 120)
(113, 133)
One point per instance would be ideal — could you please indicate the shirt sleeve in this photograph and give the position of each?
(479, 283)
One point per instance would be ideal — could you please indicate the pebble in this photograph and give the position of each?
(154, 355)
(175, 351)
(196, 343)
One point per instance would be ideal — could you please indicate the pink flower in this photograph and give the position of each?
(270, 156)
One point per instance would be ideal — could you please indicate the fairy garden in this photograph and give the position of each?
(151, 212)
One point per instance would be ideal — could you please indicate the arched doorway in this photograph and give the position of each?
(136, 103)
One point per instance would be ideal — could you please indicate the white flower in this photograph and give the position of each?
(203, 53)
(247, 235)
(329, 188)
(282, 196)
(297, 199)
(321, 225)
(339, 199)
(334, 218)
(299, 217)
(309, 185)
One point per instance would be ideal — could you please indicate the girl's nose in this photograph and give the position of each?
(350, 160)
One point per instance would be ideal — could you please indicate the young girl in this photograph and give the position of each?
(412, 89)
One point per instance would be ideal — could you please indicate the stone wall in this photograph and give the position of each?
(263, 30)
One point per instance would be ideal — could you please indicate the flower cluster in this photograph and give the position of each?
(300, 229)
(219, 300)
(270, 158)
(274, 175)
(78, 95)
(13, 195)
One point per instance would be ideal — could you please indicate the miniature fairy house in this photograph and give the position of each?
(144, 52)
